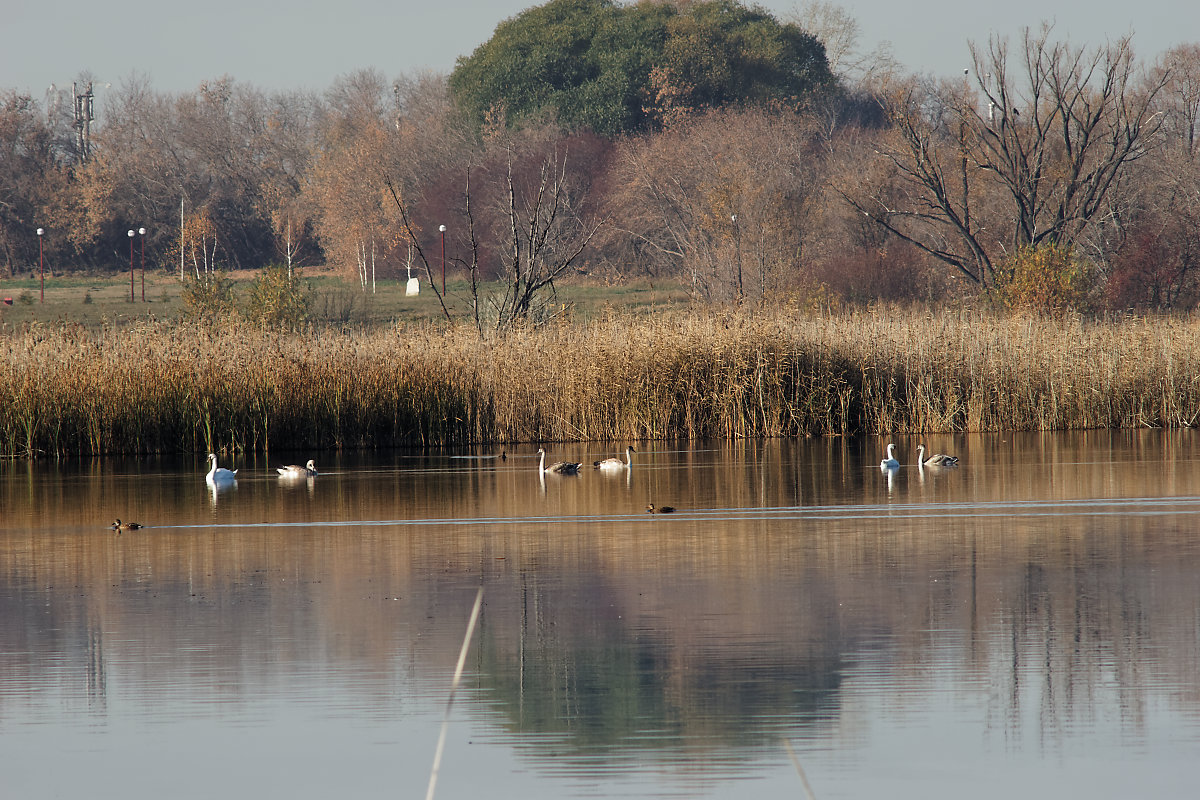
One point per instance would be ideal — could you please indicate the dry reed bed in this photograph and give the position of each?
(168, 388)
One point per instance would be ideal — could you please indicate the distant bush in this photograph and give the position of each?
(278, 299)
(338, 306)
(25, 298)
(208, 296)
(1048, 278)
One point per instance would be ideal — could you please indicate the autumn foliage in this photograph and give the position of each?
(708, 144)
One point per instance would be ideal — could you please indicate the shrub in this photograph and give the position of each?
(1046, 277)
(278, 299)
(208, 296)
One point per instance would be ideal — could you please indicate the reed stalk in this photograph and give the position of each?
(458, 671)
(161, 387)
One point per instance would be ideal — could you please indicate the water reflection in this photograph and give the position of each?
(215, 490)
(998, 627)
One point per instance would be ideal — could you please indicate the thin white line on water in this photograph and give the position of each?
(718, 515)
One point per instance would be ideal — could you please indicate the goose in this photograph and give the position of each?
(890, 462)
(936, 460)
(559, 467)
(309, 470)
(219, 476)
(119, 526)
(616, 463)
(651, 509)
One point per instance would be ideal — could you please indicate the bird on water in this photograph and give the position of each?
(309, 470)
(890, 462)
(559, 467)
(616, 463)
(218, 476)
(935, 460)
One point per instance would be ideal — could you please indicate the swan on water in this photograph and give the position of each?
(219, 476)
(616, 463)
(935, 460)
(309, 470)
(559, 467)
(890, 462)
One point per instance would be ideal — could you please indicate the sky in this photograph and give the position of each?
(308, 45)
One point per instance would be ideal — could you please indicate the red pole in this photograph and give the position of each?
(442, 228)
(41, 265)
(131, 266)
(142, 236)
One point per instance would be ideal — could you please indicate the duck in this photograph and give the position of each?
(936, 460)
(652, 509)
(559, 467)
(309, 470)
(616, 463)
(119, 526)
(890, 462)
(218, 476)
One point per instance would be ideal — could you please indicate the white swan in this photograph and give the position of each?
(219, 476)
(559, 467)
(936, 460)
(616, 463)
(890, 462)
(309, 470)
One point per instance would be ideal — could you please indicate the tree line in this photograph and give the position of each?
(707, 142)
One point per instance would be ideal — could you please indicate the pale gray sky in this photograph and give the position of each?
(307, 45)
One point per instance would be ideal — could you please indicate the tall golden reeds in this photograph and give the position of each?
(161, 387)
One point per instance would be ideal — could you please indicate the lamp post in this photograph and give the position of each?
(442, 230)
(142, 237)
(131, 265)
(41, 267)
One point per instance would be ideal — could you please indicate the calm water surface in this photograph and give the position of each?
(1027, 624)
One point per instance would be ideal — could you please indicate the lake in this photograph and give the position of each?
(1025, 624)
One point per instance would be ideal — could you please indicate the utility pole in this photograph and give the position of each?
(84, 116)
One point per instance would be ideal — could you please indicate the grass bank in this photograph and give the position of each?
(109, 300)
(165, 387)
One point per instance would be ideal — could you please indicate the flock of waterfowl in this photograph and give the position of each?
(605, 465)
(219, 477)
(935, 460)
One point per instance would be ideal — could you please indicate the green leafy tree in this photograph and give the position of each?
(611, 68)
(725, 53)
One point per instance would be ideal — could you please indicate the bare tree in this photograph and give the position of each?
(30, 178)
(722, 199)
(839, 32)
(348, 187)
(546, 237)
(1154, 234)
(1012, 157)
(532, 208)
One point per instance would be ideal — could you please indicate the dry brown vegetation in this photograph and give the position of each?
(170, 388)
